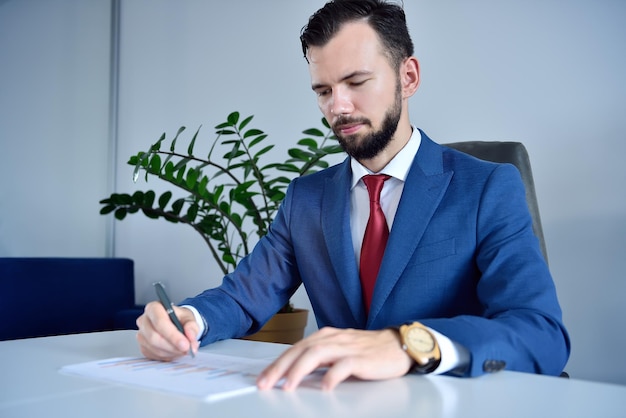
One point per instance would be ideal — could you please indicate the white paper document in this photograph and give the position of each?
(207, 376)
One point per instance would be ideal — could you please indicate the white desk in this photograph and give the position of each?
(31, 386)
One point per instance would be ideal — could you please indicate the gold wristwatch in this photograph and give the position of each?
(421, 345)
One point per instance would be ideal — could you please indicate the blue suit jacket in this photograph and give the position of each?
(461, 258)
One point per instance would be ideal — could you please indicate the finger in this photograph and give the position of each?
(378, 356)
(297, 363)
(166, 328)
(310, 359)
(277, 370)
(337, 373)
(293, 365)
(190, 326)
(159, 337)
(279, 367)
(151, 352)
(191, 332)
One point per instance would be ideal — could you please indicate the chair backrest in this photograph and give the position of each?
(516, 154)
(52, 296)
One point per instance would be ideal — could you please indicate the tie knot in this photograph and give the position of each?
(374, 184)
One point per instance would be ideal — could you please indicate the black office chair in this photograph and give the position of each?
(516, 154)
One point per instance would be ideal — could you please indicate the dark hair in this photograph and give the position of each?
(387, 19)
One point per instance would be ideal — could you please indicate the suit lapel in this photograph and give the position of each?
(336, 229)
(425, 186)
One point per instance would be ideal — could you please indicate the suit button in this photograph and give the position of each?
(491, 366)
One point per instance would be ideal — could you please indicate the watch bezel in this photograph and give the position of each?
(425, 361)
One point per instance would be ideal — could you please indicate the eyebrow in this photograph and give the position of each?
(357, 73)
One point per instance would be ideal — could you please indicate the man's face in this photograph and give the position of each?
(358, 90)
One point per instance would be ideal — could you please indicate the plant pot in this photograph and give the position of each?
(285, 328)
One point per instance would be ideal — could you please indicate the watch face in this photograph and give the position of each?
(420, 340)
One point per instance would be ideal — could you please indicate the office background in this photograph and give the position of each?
(83, 85)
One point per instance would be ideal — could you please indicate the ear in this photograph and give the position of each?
(409, 76)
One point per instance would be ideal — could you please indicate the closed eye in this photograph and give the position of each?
(322, 93)
(358, 83)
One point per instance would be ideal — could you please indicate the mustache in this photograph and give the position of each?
(346, 120)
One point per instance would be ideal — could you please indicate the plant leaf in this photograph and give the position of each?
(192, 178)
(233, 118)
(157, 145)
(314, 132)
(252, 132)
(257, 140)
(107, 209)
(332, 149)
(245, 122)
(218, 193)
(150, 214)
(141, 157)
(192, 212)
(233, 154)
(120, 213)
(148, 198)
(155, 164)
(299, 154)
(121, 199)
(225, 132)
(289, 168)
(138, 197)
(168, 170)
(177, 206)
(173, 144)
(263, 151)
(277, 197)
(164, 199)
(181, 164)
(308, 142)
(202, 186)
(193, 142)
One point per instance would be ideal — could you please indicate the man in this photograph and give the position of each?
(461, 264)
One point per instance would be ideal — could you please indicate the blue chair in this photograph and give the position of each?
(53, 296)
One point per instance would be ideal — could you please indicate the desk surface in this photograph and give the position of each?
(31, 385)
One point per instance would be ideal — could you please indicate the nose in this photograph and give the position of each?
(341, 103)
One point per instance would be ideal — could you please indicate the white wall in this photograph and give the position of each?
(54, 99)
(548, 73)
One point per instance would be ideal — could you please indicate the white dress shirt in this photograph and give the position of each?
(453, 355)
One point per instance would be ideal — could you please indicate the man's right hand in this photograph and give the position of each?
(158, 337)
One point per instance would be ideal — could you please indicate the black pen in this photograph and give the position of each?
(168, 305)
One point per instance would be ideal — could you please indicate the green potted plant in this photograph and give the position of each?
(229, 196)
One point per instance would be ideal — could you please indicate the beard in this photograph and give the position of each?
(374, 142)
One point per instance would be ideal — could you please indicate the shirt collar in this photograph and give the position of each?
(398, 167)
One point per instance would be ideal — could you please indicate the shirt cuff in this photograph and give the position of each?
(454, 356)
(200, 321)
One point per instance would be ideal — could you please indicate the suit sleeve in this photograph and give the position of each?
(260, 285)
(521, 326)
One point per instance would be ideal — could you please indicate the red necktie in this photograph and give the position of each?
(375, 239)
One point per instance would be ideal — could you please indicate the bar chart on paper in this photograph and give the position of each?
(207, 376)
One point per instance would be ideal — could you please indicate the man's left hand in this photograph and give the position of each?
(368, 355)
